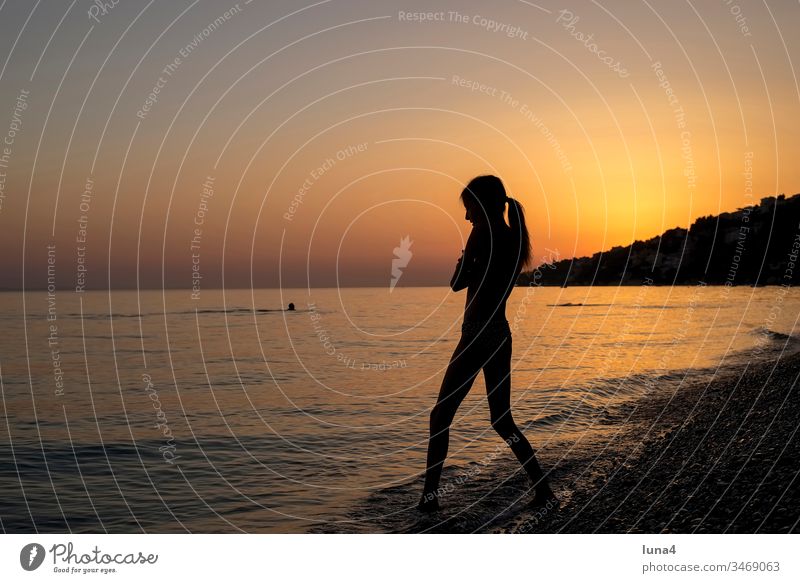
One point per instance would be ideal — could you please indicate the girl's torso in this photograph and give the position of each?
(494, 254)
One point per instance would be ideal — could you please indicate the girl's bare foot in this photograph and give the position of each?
(428, 503)
(545, 497)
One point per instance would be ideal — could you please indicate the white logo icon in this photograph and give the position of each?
(402, 256)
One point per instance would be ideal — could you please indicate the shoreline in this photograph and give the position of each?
(715, 457)
(692, 459)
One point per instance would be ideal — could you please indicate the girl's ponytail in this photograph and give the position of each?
(516, 220)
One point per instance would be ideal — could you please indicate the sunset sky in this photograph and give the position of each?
(293, 144)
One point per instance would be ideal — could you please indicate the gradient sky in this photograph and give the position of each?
(362, 115)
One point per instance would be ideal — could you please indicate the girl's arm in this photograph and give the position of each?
(460, 277)
(469, 262)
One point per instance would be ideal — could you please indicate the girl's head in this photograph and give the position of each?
(485, 201)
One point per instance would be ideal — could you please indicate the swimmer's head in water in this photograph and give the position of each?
(485, 200)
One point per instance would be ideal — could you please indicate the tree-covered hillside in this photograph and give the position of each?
(755, 245)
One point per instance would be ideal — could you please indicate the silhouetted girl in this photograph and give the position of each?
(488, 269)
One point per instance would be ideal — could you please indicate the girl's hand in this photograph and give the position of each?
(458, 281)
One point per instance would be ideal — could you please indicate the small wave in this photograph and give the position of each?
(771, 334)
(577, 304)
(232, 311)
(768, 344)
(550, 420)
(617, 305)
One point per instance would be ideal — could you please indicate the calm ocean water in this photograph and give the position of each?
(134, 412)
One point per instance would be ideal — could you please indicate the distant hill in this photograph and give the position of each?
(755, 245)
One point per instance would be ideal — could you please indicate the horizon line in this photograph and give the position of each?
(188, 289)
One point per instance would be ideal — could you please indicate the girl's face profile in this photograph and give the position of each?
(473, 214)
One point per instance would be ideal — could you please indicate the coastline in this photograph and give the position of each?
(705, 456)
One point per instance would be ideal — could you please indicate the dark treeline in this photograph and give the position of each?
(755, 245)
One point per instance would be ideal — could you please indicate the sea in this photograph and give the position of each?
(221, 411)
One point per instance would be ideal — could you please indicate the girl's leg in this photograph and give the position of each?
(497, 373)
(458, 379)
